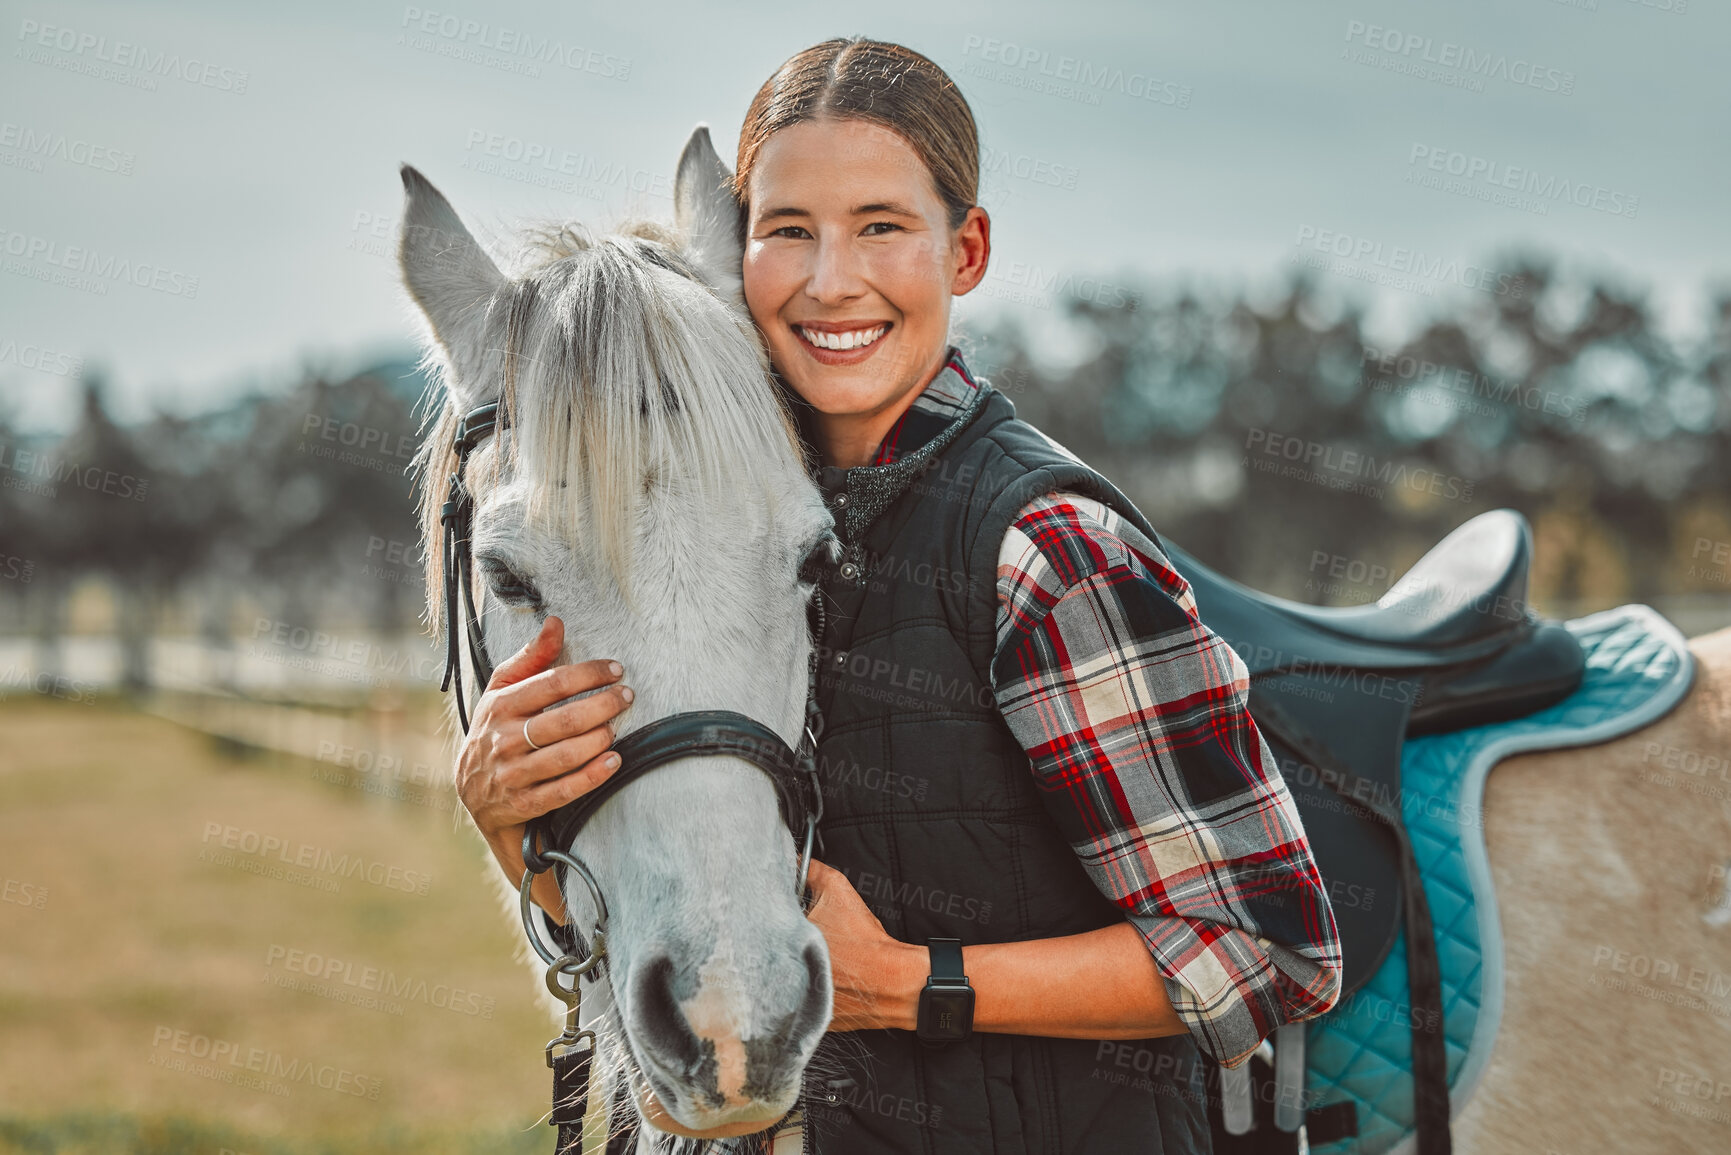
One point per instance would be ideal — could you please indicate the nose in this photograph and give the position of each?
(834, 278)
(689, 1026)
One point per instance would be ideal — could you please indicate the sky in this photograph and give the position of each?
(199, 199)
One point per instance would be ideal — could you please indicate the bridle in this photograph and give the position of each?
(682, 735)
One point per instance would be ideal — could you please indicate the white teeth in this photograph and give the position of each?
(852, 339)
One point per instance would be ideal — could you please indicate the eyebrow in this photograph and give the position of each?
(893, 207)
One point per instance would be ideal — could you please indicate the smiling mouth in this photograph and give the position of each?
(842, 341)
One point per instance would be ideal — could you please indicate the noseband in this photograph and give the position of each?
(683, 735)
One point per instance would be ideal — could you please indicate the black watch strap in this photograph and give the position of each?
(947, 959)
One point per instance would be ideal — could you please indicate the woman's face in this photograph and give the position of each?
(850, 263)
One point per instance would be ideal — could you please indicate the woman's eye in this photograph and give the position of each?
(880, 225)
(507, 584)
(789, 231)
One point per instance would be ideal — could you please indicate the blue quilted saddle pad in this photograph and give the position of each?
(1638, 668)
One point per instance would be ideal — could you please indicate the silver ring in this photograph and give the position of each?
(528, 739)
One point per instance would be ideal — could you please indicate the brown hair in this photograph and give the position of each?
(853, 78)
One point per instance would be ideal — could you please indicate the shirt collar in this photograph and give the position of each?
(931, 421)
(943, 399)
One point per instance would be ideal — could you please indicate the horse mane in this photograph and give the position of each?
(614, 375)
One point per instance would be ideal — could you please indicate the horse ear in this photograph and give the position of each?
(705, 210)
(452, 279)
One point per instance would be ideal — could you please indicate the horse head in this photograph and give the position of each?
(646, 485)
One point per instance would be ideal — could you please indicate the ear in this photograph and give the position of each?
(705, 210)
(453, 281)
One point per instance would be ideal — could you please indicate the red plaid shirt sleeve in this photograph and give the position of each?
(1135, 718)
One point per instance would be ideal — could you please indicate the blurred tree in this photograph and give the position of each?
(325, 500)
(32, 591)
(1262, 432)
(105, 515)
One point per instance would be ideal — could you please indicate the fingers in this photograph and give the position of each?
(555, 793)
(526, 786)
(501, 779)
(593, 712)
(532, 658)
(541, 689)
(560, 758)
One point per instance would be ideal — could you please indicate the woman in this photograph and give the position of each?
(1032, 743)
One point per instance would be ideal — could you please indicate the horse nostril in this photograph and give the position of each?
(770, 1057)
(661, 1026)
(814, 1013)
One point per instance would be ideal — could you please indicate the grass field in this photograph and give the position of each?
(208, 950)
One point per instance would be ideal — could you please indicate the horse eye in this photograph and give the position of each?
(507, 584)
(819, 557)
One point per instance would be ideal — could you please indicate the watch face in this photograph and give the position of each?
(946, 1015)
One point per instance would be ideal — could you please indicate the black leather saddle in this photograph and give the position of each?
(1452, 644)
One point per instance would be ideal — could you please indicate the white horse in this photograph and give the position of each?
(649, 490)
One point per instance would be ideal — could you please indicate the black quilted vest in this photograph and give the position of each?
(931, 810)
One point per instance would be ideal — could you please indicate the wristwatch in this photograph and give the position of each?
(947, 1001)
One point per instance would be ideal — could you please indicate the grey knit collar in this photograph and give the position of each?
(873, 488)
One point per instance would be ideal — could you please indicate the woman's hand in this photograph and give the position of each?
(877, 979)
(504, 781)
